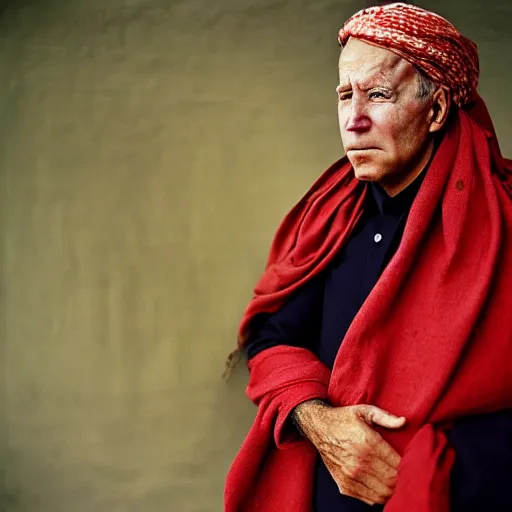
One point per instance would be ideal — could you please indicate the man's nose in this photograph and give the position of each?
(358, 120)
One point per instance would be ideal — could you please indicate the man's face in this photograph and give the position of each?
(384, 125)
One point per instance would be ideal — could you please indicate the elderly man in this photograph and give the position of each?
(379, 338)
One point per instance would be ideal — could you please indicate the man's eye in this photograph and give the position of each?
(342, 96)
(377, 94)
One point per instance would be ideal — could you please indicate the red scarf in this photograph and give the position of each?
(432, 342)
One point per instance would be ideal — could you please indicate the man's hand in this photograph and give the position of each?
(362, 464)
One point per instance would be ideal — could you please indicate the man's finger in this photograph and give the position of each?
(381, 449)
(387, 453)
(357, 490)
(376, 485)
(383, 471)
(376, 416)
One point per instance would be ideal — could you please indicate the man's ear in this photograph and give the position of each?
(441, 104)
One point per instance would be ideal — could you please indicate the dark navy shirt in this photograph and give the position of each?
(318, 316)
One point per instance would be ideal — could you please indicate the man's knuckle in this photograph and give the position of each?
(347, 491)
(384, 497)
(385, 493)
(354, 471)
(391, 480)
(371, 413)
(343, 487)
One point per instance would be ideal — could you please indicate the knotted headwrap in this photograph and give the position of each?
(423, 38)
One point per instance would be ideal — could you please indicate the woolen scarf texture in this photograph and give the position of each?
(432, 342)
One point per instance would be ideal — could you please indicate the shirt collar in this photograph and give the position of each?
(399, 203)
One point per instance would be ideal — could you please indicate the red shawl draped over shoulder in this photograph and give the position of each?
(432, 342)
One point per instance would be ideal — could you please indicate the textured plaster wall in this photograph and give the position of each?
(148, 150)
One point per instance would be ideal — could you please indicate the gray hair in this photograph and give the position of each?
(426, 86)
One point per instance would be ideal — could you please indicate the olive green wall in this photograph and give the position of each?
(148, 150)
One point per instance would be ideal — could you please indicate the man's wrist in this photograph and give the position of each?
(304, 415)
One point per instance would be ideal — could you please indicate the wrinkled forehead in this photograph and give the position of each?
(361, 60)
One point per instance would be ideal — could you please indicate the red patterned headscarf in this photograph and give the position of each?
(423, 38)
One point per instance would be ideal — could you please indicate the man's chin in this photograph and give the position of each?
(364, 173)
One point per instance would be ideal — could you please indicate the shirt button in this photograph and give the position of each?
(377, 238)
